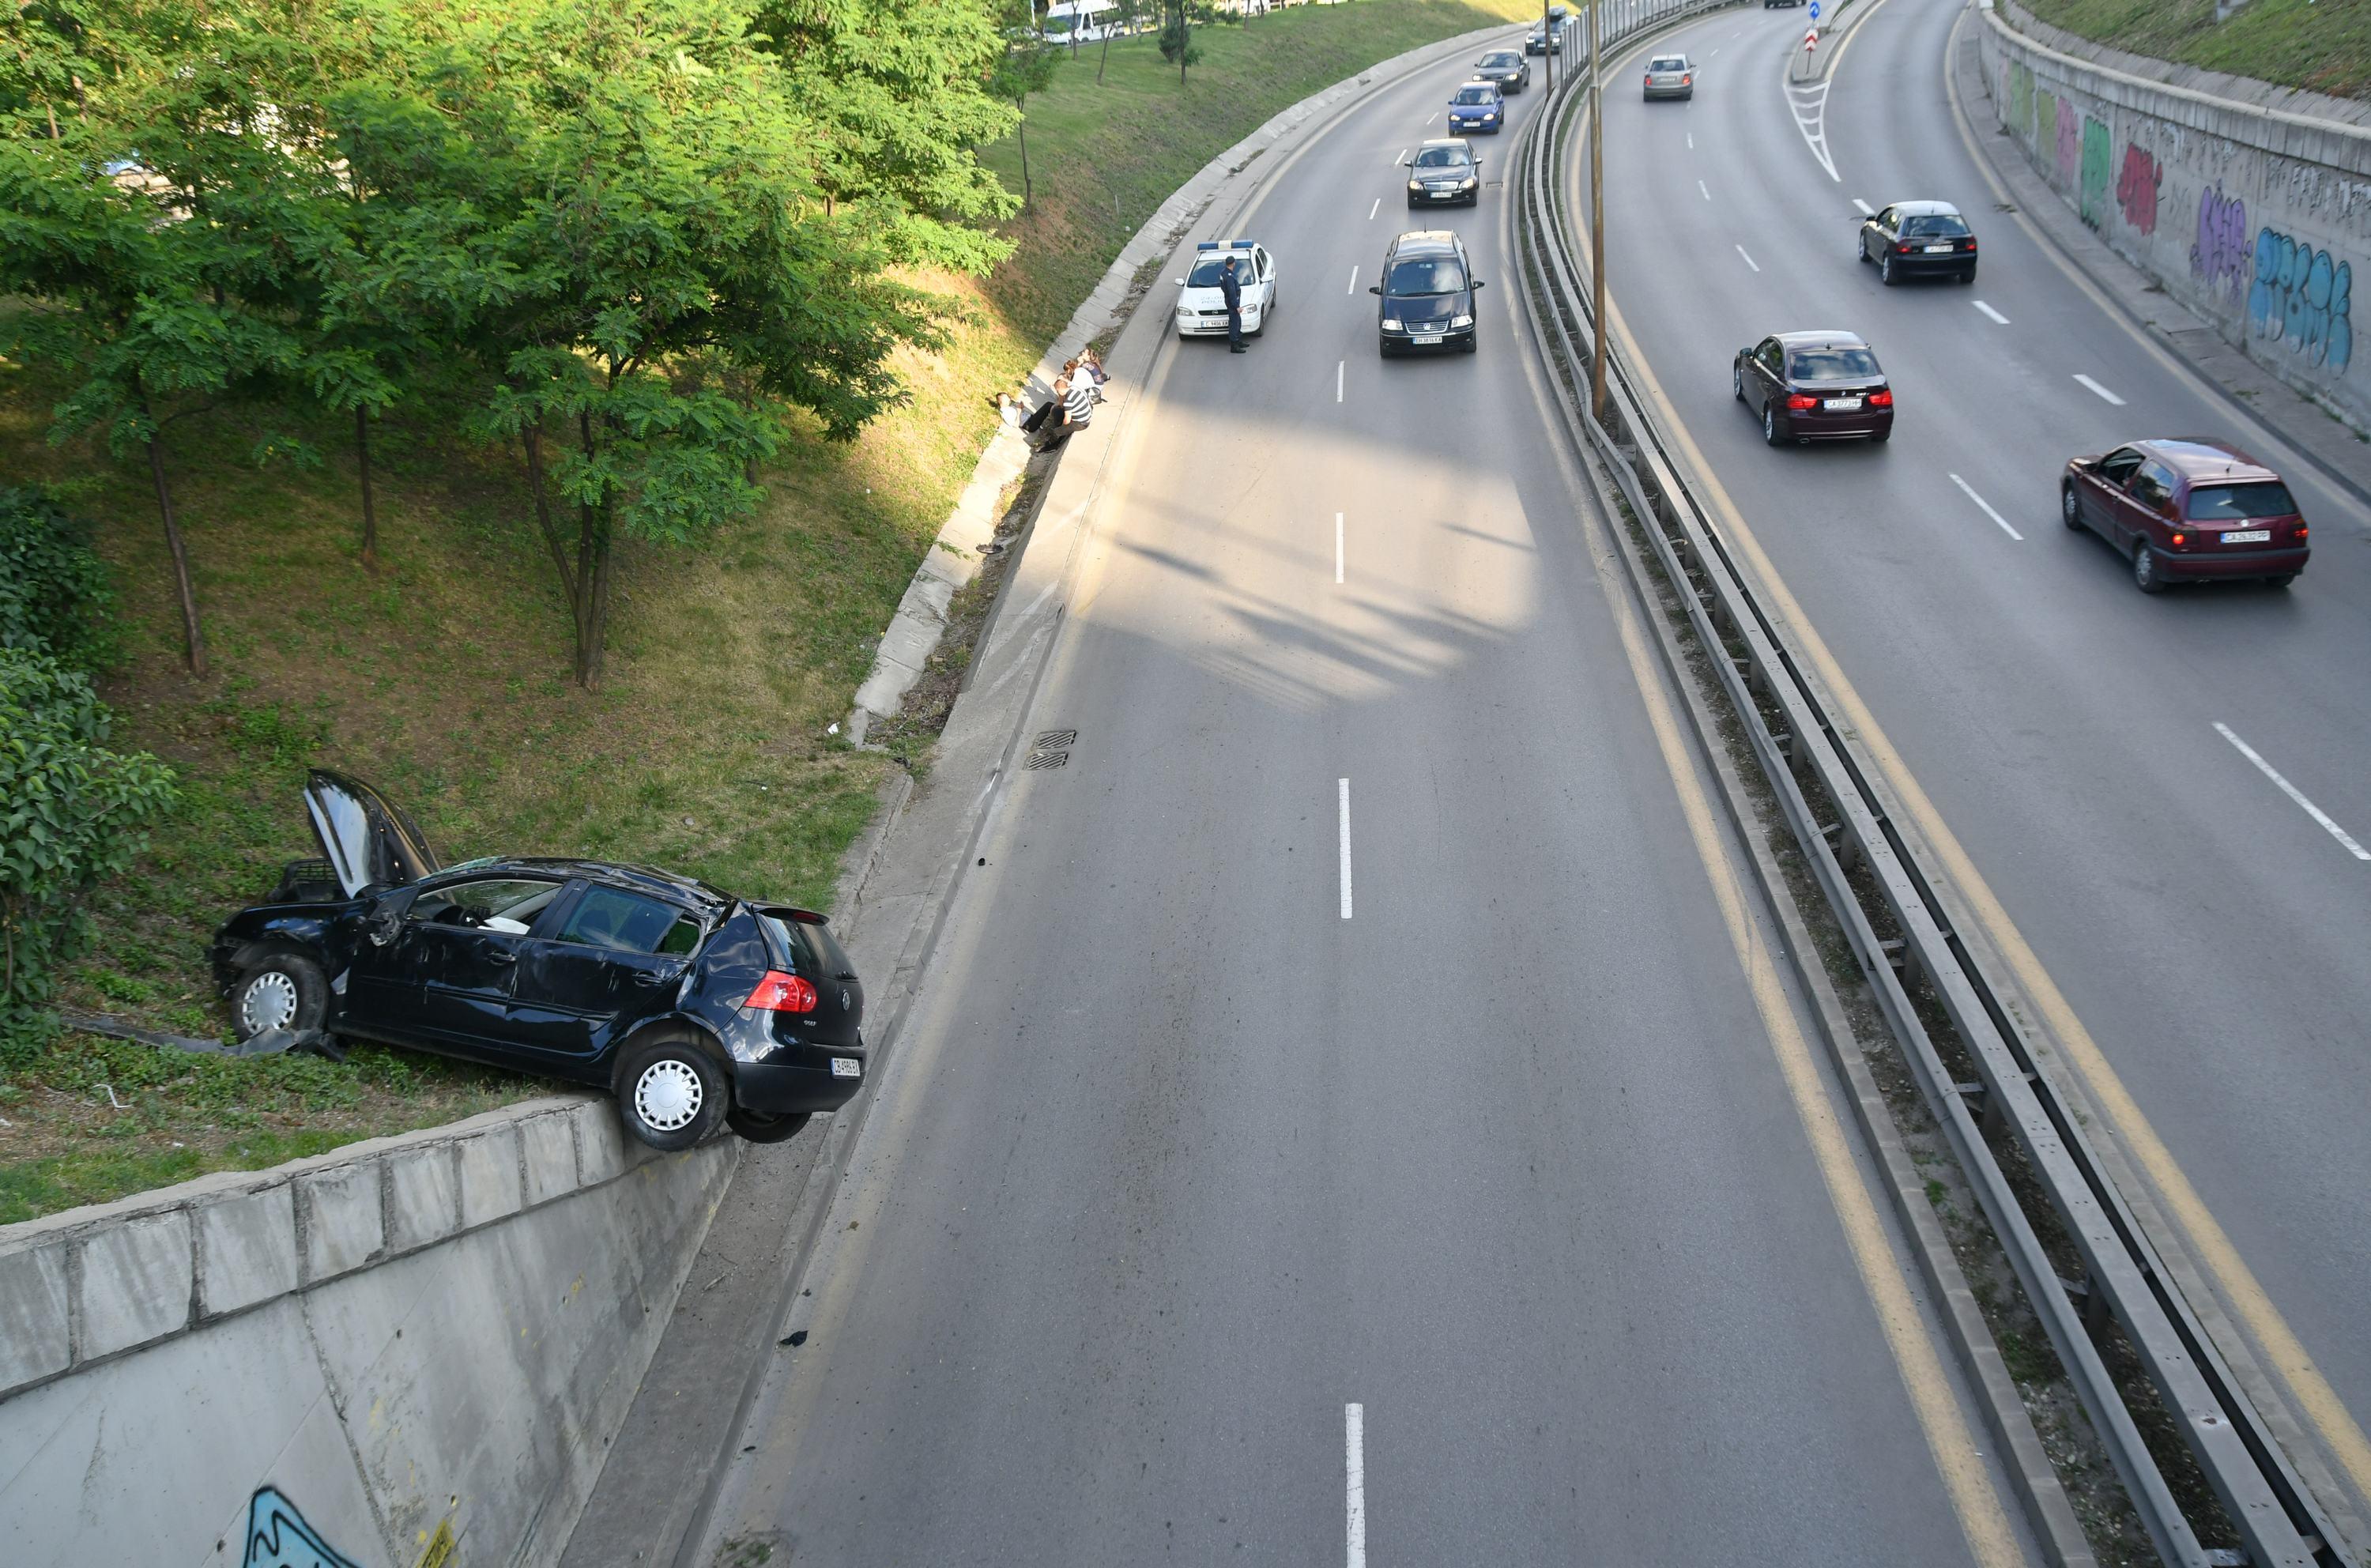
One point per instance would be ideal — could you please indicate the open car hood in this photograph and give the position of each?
(370, 841)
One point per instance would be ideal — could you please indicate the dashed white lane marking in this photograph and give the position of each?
(1354, 1470)
(2102, 391)
(1716, 50)
(1433, 116)
(1354, 282)
(1692, 141)
(1700, 186)
(1748, 260)
(1373, 210)
(1400, 159)
(1342, 801)
(1337, 547)
(1988, 310)
(2291, 791)
(1866, 209)
(1980, 501)
(1337, 378)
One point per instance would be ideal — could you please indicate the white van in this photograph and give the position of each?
(1080, 22)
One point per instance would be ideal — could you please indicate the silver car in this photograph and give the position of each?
(1671, 76)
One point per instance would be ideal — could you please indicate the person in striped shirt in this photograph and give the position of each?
(1077, 395)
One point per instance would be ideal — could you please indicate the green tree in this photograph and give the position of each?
(1123, 14)
(1027, 66)
(1178, 37)
(899, 91)
(54, 594)
(610, 206)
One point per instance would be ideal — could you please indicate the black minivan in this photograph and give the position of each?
(1427, 294)
(690, 1005)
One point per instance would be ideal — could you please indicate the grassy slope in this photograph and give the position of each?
(444, 676)
(2321, 44)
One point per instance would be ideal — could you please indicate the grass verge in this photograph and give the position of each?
(2324, 45)
(443, 676)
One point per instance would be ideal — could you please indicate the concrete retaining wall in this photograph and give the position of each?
(2251, 214)
(411, 1351)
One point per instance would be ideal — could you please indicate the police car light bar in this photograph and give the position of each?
(1223, 245)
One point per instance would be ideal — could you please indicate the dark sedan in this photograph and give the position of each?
(1427, 294)
(1814, 386)
(2187, 509)
(690, 1005)
(1919, 239)
(1504, 69)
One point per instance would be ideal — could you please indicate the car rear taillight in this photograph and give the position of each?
(1800, 400)
(1685, 80)
(778, 992)
(2300, 532)
(1880, 398)
(2180, 541)
(1968, 244)
(1905, 249)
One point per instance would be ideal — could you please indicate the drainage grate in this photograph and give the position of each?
(1053, 739)
(1046, 760)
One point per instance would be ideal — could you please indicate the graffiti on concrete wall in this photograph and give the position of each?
(2136, 188)
(278, 1537)
(2302, 297)
(2097, 172)
(2070, 142)
(2020, 98)
(2221, 256)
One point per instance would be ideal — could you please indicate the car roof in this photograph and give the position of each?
(1426, 241)
(1478, 82)
(1926, 209)
(1668, 55)
(1821, 341)
(2204, 457)
(1464, 142)
(665, 885)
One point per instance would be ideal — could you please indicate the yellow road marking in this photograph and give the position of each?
(1982, 1519)
(2320, 1404)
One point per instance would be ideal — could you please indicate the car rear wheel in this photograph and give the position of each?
(2148, 573)
(281, 990)
(1885, 271)
(2070, 510)
(1770, 428)
(2282, 581)
(1969, 276)
(757, 1126)
(670, 1093)
(1881, 433)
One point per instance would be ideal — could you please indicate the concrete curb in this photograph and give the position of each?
(953, 558)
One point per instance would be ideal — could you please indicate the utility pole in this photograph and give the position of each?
(1547, 49)
(1597, 223)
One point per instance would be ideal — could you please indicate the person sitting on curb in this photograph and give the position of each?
(1078, 406)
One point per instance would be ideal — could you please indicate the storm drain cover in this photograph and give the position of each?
(1053, 739)
(1046, 760)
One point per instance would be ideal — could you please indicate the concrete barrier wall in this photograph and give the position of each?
(2251, 215)
(410, 1351)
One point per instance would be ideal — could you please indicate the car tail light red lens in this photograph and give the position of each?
(778, 992)
(1799, 402)
(2180, 541)
(2300, 530)
(1970, 244)
(1685, 80)
(1905, 249)
(1880, 398)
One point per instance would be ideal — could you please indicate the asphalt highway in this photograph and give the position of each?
(1338, 1124)
(2082, 742)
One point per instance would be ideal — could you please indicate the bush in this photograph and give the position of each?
(54, 596)
(71, 812)
(1175, 37)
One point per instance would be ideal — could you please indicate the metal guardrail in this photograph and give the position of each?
(2276, 1519)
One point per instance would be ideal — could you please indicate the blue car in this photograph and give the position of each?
(1476, 107)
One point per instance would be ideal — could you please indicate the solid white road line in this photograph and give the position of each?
(2291, 791)
(1354, 282)
(1980, 501)
(1337, 547)
(1373, 210)
(1342, 801)
(1866, 209)
(1337, 378)
(1748, 260)
(2102, 391)
(1700, 186)
(1988, 310)
(1354, 1462)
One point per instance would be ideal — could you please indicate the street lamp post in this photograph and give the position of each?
(1596, 221)
(1547, 46)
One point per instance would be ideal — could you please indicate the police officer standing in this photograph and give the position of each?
(1233, 293)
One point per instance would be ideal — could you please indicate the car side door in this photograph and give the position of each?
(2100, 491)
(1266, 265)
(1878, 233)
(454, 951)
(1769, 378)
(2147, 510)
(612, 957)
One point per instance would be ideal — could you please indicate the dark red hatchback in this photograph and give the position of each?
(2188, 508)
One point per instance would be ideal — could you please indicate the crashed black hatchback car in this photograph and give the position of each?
(689, 1003)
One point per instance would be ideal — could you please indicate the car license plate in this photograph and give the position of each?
(1934, 249)
(847, 1067)
(1424, 337)
(2248, 537)
(1841, 405)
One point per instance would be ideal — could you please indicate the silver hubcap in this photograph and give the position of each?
(269, 1002)
(2067, 500)
(668, 1095)
(2144, 565)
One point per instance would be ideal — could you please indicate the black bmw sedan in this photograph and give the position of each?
(689, 1003)
(1814, 386)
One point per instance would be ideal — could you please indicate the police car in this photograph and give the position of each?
(1202, 310)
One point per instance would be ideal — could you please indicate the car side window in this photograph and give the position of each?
(494, 903)
(2118, 465)
(1884, 220)
(1773, 358)
(626, 922)
(2153, 486)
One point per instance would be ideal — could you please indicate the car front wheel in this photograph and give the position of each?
(2070, 509)
(670, 1093)
(1736, 382)
(282, 990)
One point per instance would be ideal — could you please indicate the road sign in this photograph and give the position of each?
(1811, 41)
(1815, 10)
